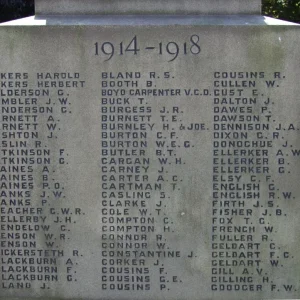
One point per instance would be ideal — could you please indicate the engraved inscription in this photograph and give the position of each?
(156, 169)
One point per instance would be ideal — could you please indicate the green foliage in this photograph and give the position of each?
(282, 9)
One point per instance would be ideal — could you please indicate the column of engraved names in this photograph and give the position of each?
(240, 157)
(28, 129)
(126, 189)
(137, 184)
(22, 155)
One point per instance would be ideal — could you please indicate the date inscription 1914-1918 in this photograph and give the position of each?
(173, 49)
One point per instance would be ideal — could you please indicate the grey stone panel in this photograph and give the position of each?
(107, 7)
(136, 139)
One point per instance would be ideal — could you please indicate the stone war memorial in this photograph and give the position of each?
(149, 150)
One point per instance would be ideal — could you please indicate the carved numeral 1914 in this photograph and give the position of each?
(108, 49)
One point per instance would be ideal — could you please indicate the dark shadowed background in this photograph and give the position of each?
(283, 9)
(14, 9)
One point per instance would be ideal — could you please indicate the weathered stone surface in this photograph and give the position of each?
(136, 143)
(148, 157)
(148, 7)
